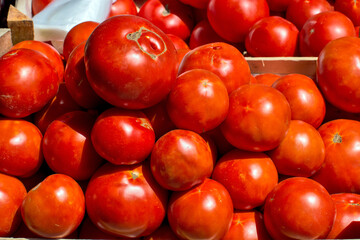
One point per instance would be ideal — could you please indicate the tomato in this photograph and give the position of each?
(278, 5)
(200, 4)
(150, 56)
(49, 51)
(258, 118)
(20, 147)
(340, 171)
(222, 59)
(171, 16)
(123, 136)
(76, 35)
(337, 72)
(12, 193)
(203, 34)
(135, 204)
(247, 225)
(55, 207)
(299, 208)
(164, 232)
(22, 93)
(301, 153)
(222, 145)
(119, 7)
(180, 160)
(24, 232)
(350, 8)
(178, 42)
(346, 225)
(265, 78)
(67, 146)
(202, 212)
(275, 31)
(39, 5)
(76, 81)
(232, 19)
(191, 88)
(318, 30)
(305, 99)
(248, 176)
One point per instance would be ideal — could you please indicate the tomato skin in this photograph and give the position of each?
(20, 147)
(318, 30)
(198, 4)
(123, 136)
(265, 78)
(190, 216)
(127, 190)
(24, 94)
(178, 42)
(13, 193)
(144, 80)
(222, 59)
(258, 118)
(203, 34)
(123, 7)
(39, 5)
(248, 176)
(337, 72)
(231, 19)
(278, 5)
(164, 232)
(55, 207)
(350, 8)
(340, 172)
(299, 208)
(180, 160)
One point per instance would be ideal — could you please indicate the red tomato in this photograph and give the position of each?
(59, 105)
(24, 232)
(347, 219)
(278, 5)
(39, 5)
(55, 207)
(258, 118)
(135, 203)
(337, 73)
(350, 8)
(200, 4)
(20, 147)
(76, 35)
(178, 42)
(273, 31)
(202, 212)
(266, 78)
(49, 51)
(67, 146)
(119, 7)
(164, 232)
(222, 145)
(203, 34)
(298, 12)
(340, 171)
(305, 99)
(318, 30)
(150, 56)
(301, 153)
(171, 16)
(191, 88)
(247, 225)
(12, 193)
(222, 59)
(123, 136)
(180, 160)
(248, 176)
(76, 81)
(299, 208)
(232, 19)
(27, 82)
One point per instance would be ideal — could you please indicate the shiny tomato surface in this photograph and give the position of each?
(119, 7)
(350, 8)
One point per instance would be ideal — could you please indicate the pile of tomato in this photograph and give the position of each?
(150, 125)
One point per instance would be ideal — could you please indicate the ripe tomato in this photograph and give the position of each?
(275, 31)
(135, 204)
(67, 146)
(202, 212)
(318, 30)
(258, 118)
(278, 5)
(119, 7)
(20, 147)
(144, 80)
(340, 171)
(265, 78)
(39, 5)
(350, 8)
(222, 59)
(123, 136)
(28, 82)
(171, 16)
(180, 160)
(199, 4)
(248, 176)
(301, 153)
(337, 71)
(305, 99)
(178, 42)
(231, 19)
(12, 193)
(55, 207)
(203, 34)
(164, 232)
(299, 208)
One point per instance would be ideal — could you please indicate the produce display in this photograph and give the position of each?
(152, 125)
